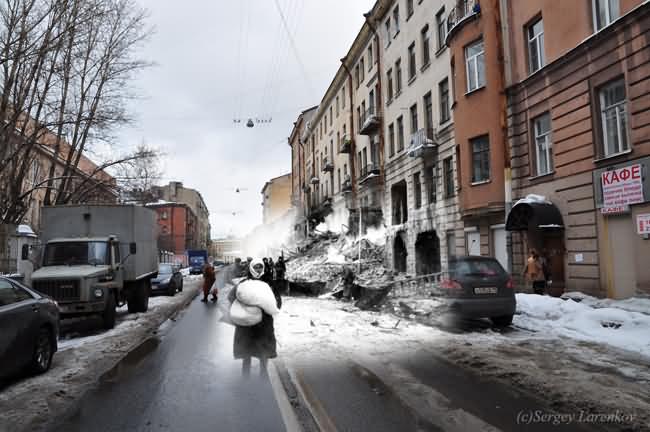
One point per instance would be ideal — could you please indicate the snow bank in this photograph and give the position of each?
(612, 325)
(634, 304)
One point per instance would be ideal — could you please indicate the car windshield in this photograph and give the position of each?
(477, 268)
(165, 269)
(76, 253)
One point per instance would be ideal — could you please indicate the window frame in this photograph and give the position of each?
(536, 43)
(608, 18)
(448, 174)
(425, 38)
(474, 59)
(389, 84)
(546, 136)
(413, 117)
(400, 133)
(398, 77)
(409, 9)
(441, 24)
(396, 20)
(412, 61)
(417, 190)
(602, 112)
(484, 161)
(444, 103)
(391, 140)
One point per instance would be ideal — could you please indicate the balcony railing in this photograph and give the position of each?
(346, 144)
(315, 180)
(464, 10)
(327, 165)
(346, 186)
(423, 143)
(370, 121)
(370, 171)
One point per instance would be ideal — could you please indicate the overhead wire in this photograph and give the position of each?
(273, 65)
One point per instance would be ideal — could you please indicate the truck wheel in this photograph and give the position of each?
(108, 316)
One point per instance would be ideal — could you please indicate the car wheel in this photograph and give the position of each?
(180, 287)
(108, 316)
(43, 351)
(171, 289)
(502, 321)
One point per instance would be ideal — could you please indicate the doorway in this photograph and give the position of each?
(427, 253)
(399, 253)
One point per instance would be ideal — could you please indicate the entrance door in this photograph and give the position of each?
(473, 242)
(500, 245)
(554, 248)
(621, 255)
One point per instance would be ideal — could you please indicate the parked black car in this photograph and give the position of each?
(29, 329)
(169, 279)
(479, 287)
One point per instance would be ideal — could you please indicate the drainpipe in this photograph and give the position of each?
(501, 10)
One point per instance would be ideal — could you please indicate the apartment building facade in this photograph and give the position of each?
(177, 227)
(299, 177)
(421, 203)
(276, 198)
(177, 193)
(578, 91)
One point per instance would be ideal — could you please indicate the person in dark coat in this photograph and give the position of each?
(258, 340)
(279, 285)
(208, 280)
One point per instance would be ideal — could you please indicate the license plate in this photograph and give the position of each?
(485, 290)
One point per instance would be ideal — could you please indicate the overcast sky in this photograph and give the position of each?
(231, 59)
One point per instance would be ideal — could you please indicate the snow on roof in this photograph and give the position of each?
(533, 199)
(159, 202)
(25, 230)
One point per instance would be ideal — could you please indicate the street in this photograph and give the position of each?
(188, 381)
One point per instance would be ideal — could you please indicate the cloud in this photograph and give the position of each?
(209, 71)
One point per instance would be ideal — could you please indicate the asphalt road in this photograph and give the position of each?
(186, 381)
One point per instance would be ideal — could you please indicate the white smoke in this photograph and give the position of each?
(376, 236)
(271, 239)
(336, 221)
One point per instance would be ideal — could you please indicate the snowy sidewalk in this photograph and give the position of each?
(32, 403)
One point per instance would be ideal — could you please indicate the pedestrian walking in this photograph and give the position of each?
(258, 340)
(208, 280)
(534, 272)
(280, 274)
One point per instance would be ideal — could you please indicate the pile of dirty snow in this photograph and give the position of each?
(585, 320)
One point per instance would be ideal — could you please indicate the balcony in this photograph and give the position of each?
(346, 144)
(465, 11)
(371, 122)
(327, 165)
(346, 186)
(370, 172)
(423, 143)
(315, 180)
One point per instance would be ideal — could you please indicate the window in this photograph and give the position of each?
(417, 190)
(448, 172)
(362, 70)
(325, 123)
(331, 116)
(475, 65)
(389, 87)
(400, 134)
(441, 26)
(536, 58)
(363, 113)
(613, 111)
(428, 115)
(414, 118)
(164, 215)
(396, 19)
(409, 8)
(443, 94)
(605, 12)
(480, 159)
(10, 294)
(412, 61)
(391, 139)
(337, 107)
(371, 102)
(398, 77)
(343, 97)
(356, 75)
(451, 244)
(359, 164)
(359, 118)
(543, 145)
(387, 26)
(431, 184)
(370, 57)
(338, 172)
(426, 46)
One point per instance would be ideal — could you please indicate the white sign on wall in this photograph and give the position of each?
(643, 223)
(623, 186)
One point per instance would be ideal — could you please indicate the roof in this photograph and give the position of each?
(274, 179)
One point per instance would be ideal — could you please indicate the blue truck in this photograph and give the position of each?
(196, 260)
